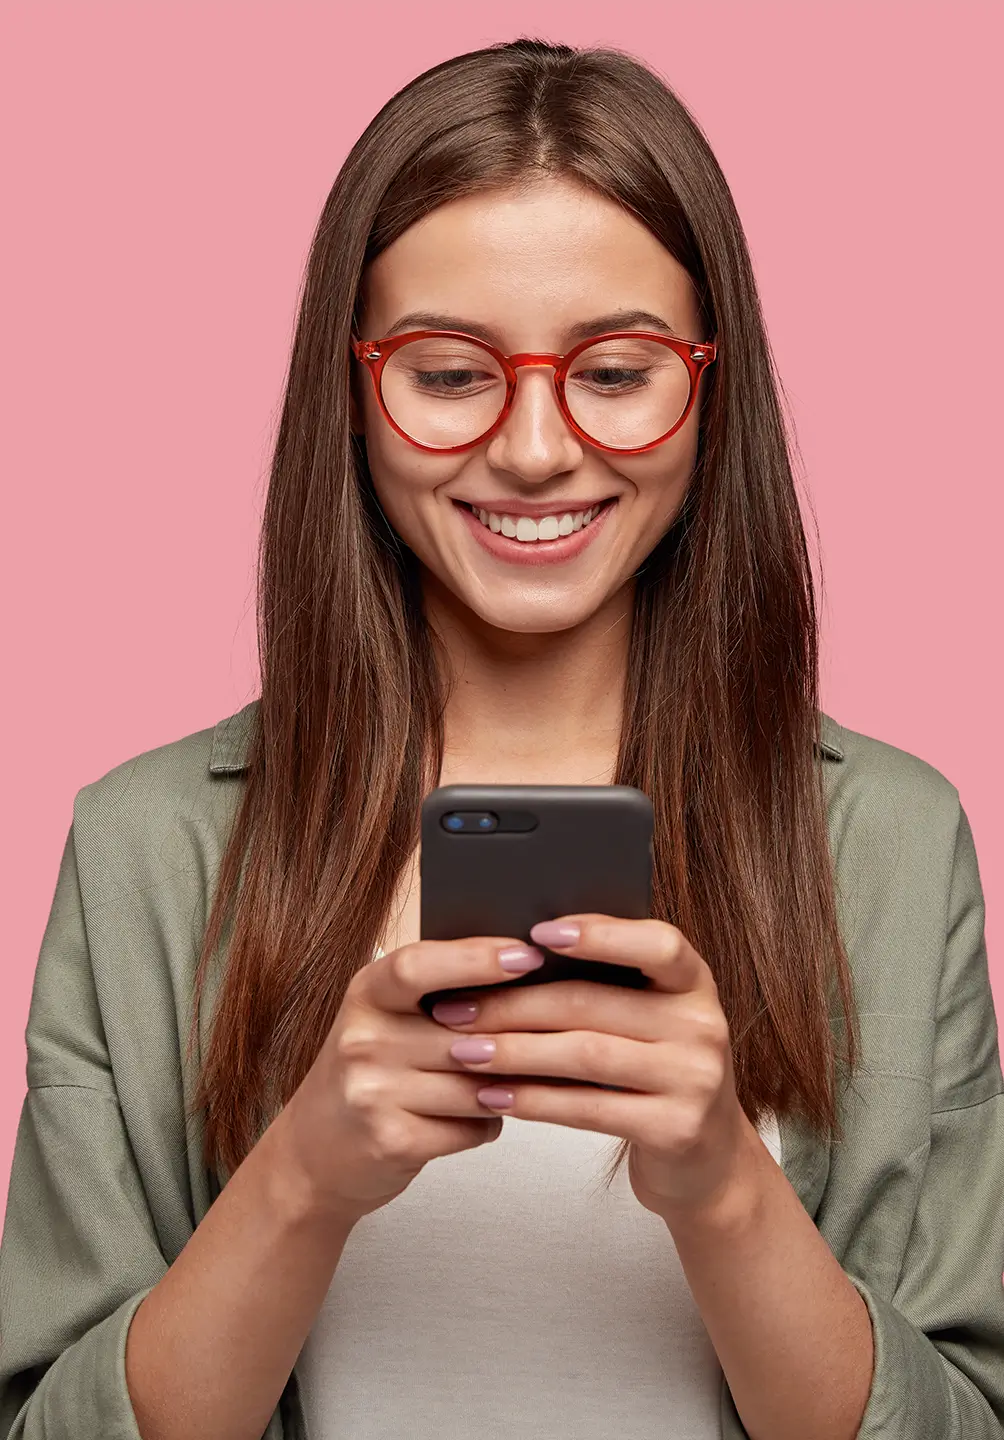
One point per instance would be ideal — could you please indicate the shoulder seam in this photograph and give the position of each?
(829, 737)
(230, 741)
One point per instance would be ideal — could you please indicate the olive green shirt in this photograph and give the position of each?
(108, 1182)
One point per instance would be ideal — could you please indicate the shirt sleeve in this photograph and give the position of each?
(939, 1339)
(79, 1249)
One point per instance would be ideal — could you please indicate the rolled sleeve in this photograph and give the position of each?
(83, 1394)
(939, 1338)
(939, 1345)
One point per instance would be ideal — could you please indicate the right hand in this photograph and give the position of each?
(384, 1095)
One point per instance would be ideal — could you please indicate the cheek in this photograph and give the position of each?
(404, 479)
(395, 466)
(400, 484)
(662, 476)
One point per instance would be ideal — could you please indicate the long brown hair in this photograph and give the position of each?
(721, 726)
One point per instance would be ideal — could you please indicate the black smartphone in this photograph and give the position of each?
(495, 859)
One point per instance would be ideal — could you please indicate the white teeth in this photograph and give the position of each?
(548, 527)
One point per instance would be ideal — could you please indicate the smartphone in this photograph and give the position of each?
(495, 859)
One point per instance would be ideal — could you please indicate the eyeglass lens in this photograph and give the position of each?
(623, 393)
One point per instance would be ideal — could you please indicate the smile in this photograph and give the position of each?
(529, 531)
(546, 539)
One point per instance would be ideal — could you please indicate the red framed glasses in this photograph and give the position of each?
(625, 391)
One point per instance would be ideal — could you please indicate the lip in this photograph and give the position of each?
(534, 509)
(536, 552)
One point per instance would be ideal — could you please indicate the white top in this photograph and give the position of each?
(506, 1293)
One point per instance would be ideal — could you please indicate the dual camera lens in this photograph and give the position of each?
(469, 821)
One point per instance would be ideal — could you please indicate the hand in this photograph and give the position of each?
(668, 1046)
(384, 1095)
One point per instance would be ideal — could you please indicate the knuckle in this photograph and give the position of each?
(392, 1140)
(593, 1107)
(406, 965)
(358, 1040)
(700, 1020)
(594, 1049)
(712, 1025)
(580, 998)
(706, 1073)
(672, 942)
(683, 1131)
(364, 1090)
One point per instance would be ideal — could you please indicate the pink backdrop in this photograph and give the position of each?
(166, 166)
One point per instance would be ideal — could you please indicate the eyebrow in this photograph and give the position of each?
(598, 325)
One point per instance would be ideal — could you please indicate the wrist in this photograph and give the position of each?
(293, 1190)
(735, 1204)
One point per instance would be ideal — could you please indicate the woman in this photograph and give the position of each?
(531, 519)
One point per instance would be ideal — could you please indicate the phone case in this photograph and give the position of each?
(558, 850)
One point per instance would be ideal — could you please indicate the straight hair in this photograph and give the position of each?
(721, 726)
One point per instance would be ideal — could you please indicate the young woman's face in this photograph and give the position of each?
(528, 269)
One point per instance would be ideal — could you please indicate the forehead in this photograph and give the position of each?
(527, 263)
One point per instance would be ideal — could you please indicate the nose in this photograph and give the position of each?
(535, 442)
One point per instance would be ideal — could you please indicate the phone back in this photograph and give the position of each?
(557, 850)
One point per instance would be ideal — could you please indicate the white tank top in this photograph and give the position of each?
(506, 1295)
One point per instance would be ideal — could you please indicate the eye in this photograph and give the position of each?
(444, 369)
(450, 381)
(611, 377)
(621, 367)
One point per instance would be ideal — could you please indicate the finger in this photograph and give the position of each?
(573, 1005)
(660, 951)
(456, 1135)
(371, 1095)
(390, 1054)
(417, 1139)
(628, 1116)
(583, 1055)
(397, 982)
(396, 1045)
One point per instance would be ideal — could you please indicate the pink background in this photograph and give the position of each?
(167, 162)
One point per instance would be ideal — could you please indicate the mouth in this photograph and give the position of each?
(523, 539)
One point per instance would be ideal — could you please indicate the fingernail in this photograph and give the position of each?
(472, 1049)
(496, 1098)
(517, 959)
(555, 933)
(454, 1012)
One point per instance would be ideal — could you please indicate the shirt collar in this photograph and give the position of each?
(231, 736)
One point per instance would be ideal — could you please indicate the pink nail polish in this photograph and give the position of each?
(518, 959)
(454, 1012)
(555, 933)
(472, 1050)
(496, 1097)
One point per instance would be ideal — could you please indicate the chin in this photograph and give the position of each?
(530, 619)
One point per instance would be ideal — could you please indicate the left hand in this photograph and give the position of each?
(667, 1046)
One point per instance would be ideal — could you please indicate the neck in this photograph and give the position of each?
(532, 708)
